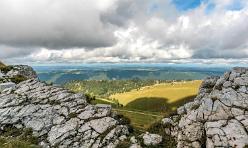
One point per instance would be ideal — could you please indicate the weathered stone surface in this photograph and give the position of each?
(23, 70)
(218, 117)
(151, 139)
(1, 75)
(59, 117)
(6, 85)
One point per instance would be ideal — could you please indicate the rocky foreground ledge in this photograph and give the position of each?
(58, 117)
(218, 117)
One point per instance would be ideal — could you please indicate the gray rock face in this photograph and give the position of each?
(23, 70)
(1, 75)
(151, 139)
(4, 86)
(218, 117)
(59, 117)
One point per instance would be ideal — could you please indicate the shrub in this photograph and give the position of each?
(72, 115)
(15, 143)
(18, 78)
(89, 98)
(124, 144)
(11, 137)
(123, 119)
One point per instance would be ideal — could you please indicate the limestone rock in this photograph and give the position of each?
(151, 139)
(59, 117)
(217, 117)
(23, 70)
(1, 75)
(6, 85)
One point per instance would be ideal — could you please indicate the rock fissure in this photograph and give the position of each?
(58, 117)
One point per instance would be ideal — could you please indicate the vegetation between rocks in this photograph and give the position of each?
(11, 137)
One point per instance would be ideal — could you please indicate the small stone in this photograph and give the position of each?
(152, 139)
(227, 84)
(133, 140)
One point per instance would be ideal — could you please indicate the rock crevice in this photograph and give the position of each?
(58, 117)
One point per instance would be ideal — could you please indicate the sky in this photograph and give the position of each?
(124, 31)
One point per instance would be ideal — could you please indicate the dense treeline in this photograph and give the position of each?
(105, 88)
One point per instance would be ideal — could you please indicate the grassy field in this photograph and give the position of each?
(139, 119)
(171, 92)
(143, 105)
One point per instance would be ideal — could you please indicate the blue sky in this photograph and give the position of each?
(187, 4)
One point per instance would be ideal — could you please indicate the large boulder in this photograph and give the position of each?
(218, 117)
(58, 117)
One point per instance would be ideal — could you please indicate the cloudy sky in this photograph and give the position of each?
(165, 31)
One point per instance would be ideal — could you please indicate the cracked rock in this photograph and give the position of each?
(220, 118)
(58, 117)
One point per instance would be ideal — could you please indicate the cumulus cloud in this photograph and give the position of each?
(123, 31)
(55, 24)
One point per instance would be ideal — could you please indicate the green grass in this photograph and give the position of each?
(138, 120)
(152, 104)
(15, 143)
(172, 92)
(12, 137)
(144, 102)
(144, 112)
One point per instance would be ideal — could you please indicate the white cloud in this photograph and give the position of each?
(122, 31)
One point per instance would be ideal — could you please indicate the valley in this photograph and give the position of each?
(144, 102)
(144, 93)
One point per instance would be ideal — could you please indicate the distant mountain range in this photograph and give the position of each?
(63, 74)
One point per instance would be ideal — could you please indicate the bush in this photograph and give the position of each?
(124, 144)
(11, 137)
(89, 98)
(15, 143)
(123, 119)
(18, 78)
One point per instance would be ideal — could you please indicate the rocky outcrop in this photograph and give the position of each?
(16, 73)
(58, 117)
(22, 70)
(218, 117)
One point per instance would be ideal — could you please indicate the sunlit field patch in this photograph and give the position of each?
(173, 91)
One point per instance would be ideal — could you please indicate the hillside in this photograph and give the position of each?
(142, 101)
(61, 74)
